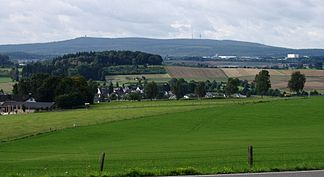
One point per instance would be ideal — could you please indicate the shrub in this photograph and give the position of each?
(134, 96)
(69, 101)
(314, 92)
(184, 171)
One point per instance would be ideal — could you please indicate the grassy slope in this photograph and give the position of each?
(286, 134)
(16, 126)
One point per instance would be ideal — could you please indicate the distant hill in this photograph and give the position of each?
(163, 47)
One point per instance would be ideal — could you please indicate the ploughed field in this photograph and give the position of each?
(166, 138)
(279, 78)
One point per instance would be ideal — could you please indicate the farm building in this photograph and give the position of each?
(19, 107)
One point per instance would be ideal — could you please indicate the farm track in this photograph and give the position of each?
(316, 173)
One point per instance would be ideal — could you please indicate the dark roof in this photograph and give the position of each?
(21, 98)
(4, 98)
(31, 105)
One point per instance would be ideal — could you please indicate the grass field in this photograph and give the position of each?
(5, 79)
(14, 126)
(167, 137)
(6, 84)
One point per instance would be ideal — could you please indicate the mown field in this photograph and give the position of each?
(190, 73)
(167, 138)
(279, 78)
(127, 79)
(6, 82)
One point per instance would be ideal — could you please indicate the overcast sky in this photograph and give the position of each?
(287, 23)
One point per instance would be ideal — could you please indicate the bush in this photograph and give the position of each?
(69, 101)
(138, 173)
(314, 92)
(184, 171)
(134, 96)
(303, 93)
(113, 96)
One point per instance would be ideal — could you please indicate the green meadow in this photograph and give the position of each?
(166, 138)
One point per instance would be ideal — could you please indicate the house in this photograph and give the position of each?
(238, 95)
(190, 96)
(19, 107)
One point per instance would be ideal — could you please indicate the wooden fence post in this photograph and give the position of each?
(250, 156)
(102, 162)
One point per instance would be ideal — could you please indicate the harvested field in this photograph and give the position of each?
(196, 73)
(241, 72)
(279, 78)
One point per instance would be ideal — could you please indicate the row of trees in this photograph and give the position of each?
(260, 86)
(262, 83)
(67, 92)
(91, 65)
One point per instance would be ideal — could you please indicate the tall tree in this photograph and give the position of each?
(151, 90)
(192, 86)
(179, 87)
(297, 82)
(14, 74)
(232, 86)
(262, 82)
(201, 89)
(110, 88)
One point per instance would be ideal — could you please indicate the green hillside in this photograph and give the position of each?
(209, 137)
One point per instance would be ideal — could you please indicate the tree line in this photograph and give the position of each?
(91, 65)
(70, 92)
(260, 86)
(67, 92)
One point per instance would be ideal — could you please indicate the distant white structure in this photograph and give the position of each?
(226, 57)
(292, 56)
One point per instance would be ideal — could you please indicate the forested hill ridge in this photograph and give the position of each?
(96, 65)
(163, 47)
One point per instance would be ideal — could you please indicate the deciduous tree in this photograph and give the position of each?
(297, 82)
(151, 90)
(232, 86)
(201, 89)
(262, 82)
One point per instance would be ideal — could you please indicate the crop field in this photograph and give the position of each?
(166, 138)
(190, 73)
(279, 78)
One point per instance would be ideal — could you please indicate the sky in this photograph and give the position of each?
(285, 23)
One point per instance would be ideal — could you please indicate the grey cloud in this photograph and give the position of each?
(295, 23)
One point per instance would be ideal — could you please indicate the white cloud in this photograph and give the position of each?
(295, 24)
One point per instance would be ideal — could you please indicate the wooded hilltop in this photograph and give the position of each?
(95, 65)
